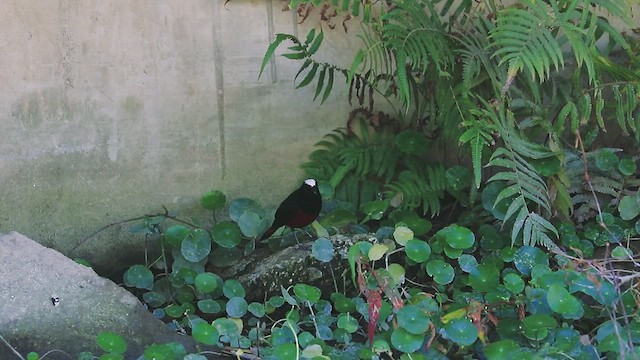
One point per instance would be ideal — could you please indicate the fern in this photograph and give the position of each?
(424, 187)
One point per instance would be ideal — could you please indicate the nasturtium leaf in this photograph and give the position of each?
(527, 257)
(628, 207)
(213, 200)
(251, 224)
(348, 323)
(412, 142)
(313, 352)
(196, 246)
(174, 311)
(397, 273)
(204, 333)
(224, 257)
(621, 252)
(375, 209)
(458, 177)
(233, 288)
(564, 303)
(546, 166)
(501, 350)
(458, 237)
(338, 218)
(192, 357)
(419, 226)
(138, 276)
(111, 342)
(306, 292)
(468, 263)
(601, 290)
(236, 307)
(461, 331)
(288, 351)
(606, 160)
(513, 283)
(237, 207)
(405, 341)
(417, 250)
(322, 250)
(209, 306)
(539, 322)
(206, 282)
(627, 167)
(228, 327)
(402, 235)
(341, 303)
(154, 299)
(226, 234)
(256, 309)
(175, 234)
(485, 278)
(441, 271)
(413, 319)
(451, 252)
(377, 251)
(489, 196)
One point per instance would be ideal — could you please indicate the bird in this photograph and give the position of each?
(298, 210)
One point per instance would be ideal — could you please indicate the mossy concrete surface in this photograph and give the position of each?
(111, 109)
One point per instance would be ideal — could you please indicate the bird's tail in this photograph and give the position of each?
(268, 233)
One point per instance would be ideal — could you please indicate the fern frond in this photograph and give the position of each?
(417, 190)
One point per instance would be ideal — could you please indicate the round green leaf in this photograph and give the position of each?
(196, 246)
(375, 209)
(256, 309)
(232, 288)
(489, 196)
(546, 166)
(412, 142)
(209, 306)
(606, 160)
(163, 351)
(405, 341)
(174, 311)
(539, 322)
(227, 327)
(213, 200)
(413, 319)
(154, 299)
(33, 356)
(461, 331)
(204, 333)
(485, 278)
(226, 256)
(237, 207)
(628, 208)
(175, 234)
(627, 167)
(441, 271)
(417, 250)
(307, 293)
(251, 224)
(418, 225)
(377, 251)
(397, 273)
(285, 351)
(206, 282)
(402, 235)
(526, 257)
(237, 307)
(513, 283)
(348, 323)
(138, 276)
(468, 263)
(226, 234)
(458, 237)
(502, 350)
(111, 342)
(322, 250)
(562, 302)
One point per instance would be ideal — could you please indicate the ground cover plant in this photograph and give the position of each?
(500, 187)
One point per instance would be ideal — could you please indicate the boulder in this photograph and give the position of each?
(49, 302)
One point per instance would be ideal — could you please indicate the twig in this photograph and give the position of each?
(11, 347)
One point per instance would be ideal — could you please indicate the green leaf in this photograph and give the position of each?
(377, 251)
(213, 200)
(412, 142)
(251, 224)
(348, 323)
(461, 331)
(271, 49)
(209, 306)
(628, 207)
(139, 276)
(405, 341)
(402, 235)
(441, 272)
(226, 234)
(322, 250)
(606, 160)
(316, 43)
(111, 342)
(307, 293)
(328, 86)
(413, 319)
(501, 350)
(375, 209)
(310, 75)
(564, 303)
(458, 177)
(526, 257)
(233, 288)
(206, 282)
(256, 309)
(238, 207)
(204, 333)
(236, 307)
(458, 237)
(175, 234)
(627, 167)
(513, 283)
(485, 278)
(417, 250)
(287, 351)
(196, 246)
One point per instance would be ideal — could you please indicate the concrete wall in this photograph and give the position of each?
(110, 109)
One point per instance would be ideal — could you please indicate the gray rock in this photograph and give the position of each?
(31, 276)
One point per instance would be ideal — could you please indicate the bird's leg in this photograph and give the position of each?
(295, 236)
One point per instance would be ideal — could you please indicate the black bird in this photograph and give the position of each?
(299, 209)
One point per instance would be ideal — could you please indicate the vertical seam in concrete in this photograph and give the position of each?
(271, 33)
(294, 20)
(218, 68)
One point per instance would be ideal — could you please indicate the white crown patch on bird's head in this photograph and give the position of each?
(310, 182)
